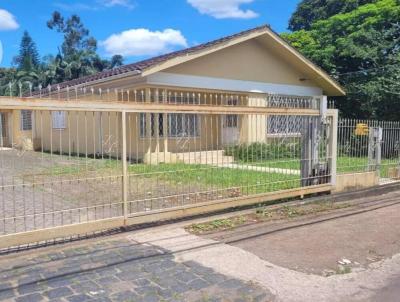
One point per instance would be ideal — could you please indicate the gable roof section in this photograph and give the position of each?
(159, 63)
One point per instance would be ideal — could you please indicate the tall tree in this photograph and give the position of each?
(310, 11)
(28, 57)
(116, 61)
(361, 49)
(76, 35)
(78, 55)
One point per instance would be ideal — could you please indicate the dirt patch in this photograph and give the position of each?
(265, 214)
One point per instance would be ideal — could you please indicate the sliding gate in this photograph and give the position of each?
(79, 166)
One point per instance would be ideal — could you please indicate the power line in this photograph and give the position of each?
(366, 70)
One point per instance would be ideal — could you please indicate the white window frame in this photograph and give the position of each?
(58, 120)
(26, 120)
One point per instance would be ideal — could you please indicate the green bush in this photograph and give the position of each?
(262, 151)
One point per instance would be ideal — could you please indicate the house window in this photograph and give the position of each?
(143, 124)
(231, 121)
(58, 119)
(26, 120)
(285, 125)
(183, 125)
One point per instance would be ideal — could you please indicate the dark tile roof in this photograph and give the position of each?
(148, 63)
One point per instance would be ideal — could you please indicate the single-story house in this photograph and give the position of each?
(244, 69)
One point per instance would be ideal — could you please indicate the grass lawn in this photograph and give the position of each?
(345, 164)
(201, 176)
(204, 177)
(249, 182)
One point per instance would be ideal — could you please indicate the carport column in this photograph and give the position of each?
(165, 133)
(148, 126)
(148, 136)
(157, 134)
(1, 130)
(124, 169)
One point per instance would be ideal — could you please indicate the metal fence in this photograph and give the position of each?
(369, 145)
(72, 167)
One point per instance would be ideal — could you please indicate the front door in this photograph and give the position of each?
(230, 129)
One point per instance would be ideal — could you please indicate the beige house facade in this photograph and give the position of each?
(247, 69)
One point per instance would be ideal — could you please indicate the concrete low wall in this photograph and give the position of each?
(356, 181)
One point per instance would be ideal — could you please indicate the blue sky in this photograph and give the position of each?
(138, 28)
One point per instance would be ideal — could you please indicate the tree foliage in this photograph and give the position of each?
(28, 57)
(77, 57)
(310, 11)
(76, 35)
(361, 49)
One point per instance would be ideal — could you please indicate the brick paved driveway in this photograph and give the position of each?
(115, 269)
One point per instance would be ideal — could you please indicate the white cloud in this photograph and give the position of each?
(143, 42)
(124, 3)
(7, 20)
(95, 6)
(224, 9)
(73, 7)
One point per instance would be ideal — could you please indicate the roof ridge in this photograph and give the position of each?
(146, 63)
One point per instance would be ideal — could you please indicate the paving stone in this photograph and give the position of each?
(79, 298)
(59, 292)
(132, 275)
(144, 290)
(186, 277)
(106, 272)
(165, 282)
(35, 297)
(198, 284)
(142, 282)
(107, 280)
(180, 288)
(59, 282)
(5, 285)
(165, 293)
(231, 284)
(7, 293)
(151, 298)
(125, 296)
(152, 275)
(215, 278)
(85, 287)
(31, 288)
(29, 279)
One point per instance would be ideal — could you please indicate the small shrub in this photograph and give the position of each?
(261, 151)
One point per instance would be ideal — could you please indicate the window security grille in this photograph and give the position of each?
(26, 120)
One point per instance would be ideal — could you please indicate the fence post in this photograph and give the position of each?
(333, 144)
(124, 168)
(374, 149)
(310, 168)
